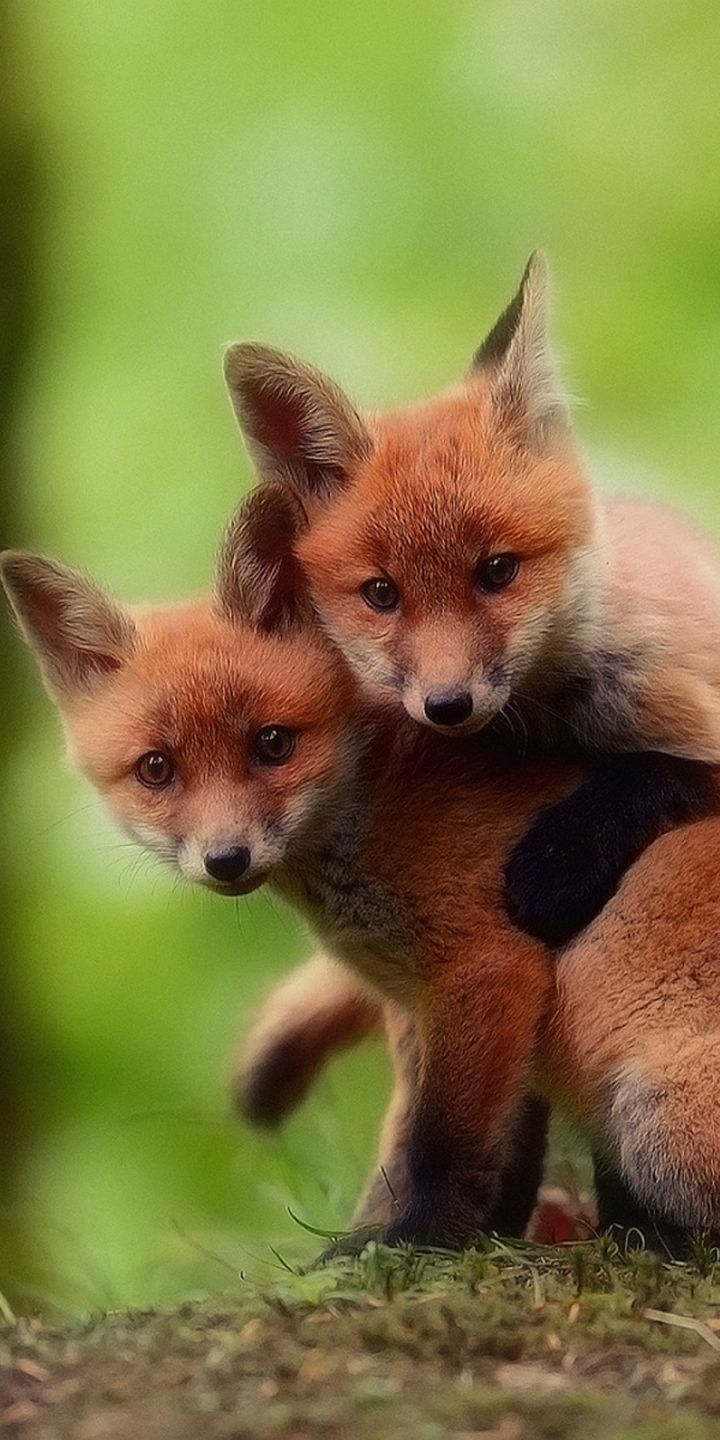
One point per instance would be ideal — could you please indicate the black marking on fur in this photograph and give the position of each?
(451, 1189)
(589, 709)
(346, 904)
(496, 344)
(454, 1193)
(277, 1083)
(619, 1210)
(571, 860)
(523, 1173)
(451, 1198)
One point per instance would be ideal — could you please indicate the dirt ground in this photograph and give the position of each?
(501, 1343)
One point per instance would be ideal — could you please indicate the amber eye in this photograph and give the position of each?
(380, 593)
(154, 770)
(496, 572)
(274, 745)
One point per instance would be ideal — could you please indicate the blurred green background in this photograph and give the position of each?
(362, 185)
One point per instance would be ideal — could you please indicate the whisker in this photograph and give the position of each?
(96, 805)
(131, 870)
(564, 720)
(281, 912)
(114, 850)
(514, 713)
(143, 861)
(178, 890)
(160, 869)
(507, 720)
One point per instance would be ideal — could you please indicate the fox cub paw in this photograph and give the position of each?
(561, 873)
(575, 854)
(417, 1226)
(350, 1245)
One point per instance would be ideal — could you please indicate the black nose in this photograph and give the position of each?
(227, 865)
(448, 707)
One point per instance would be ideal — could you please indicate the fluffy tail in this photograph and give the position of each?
(320, 1009)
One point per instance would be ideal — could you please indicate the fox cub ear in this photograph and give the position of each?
(517, 358)
(257, 577)
(77, 632)
(299, 426)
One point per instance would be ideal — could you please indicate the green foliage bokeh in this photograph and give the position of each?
(361, 185)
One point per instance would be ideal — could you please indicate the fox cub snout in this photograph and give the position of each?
(209, 740)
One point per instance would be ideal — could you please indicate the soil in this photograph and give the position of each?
(503, 1343)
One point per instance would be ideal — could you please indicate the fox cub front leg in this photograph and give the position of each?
(477, 1027)
(571, 860)
(387, 1196)
(321, 1008)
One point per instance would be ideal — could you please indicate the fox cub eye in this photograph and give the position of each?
(496, 572)
(380, 593)
(274, 745)
(154, 770)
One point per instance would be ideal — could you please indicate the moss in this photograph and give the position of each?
(514, 1342)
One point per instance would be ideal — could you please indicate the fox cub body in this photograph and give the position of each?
(460, 558)
(630, 1048)
(229, 736)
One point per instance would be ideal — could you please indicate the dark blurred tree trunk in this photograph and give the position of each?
(20, 1265)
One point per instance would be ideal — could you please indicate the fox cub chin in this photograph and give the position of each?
(460, 558)
(229, 736)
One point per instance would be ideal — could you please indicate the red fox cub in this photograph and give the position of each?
(460, 558)
(630, 1048)
(229, 736)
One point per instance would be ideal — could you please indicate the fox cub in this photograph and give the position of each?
(229, 736)
(459, 556)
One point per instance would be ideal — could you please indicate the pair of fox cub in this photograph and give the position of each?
(450, 704)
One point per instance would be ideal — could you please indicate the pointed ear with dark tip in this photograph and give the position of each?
(299, 427)
(77, 632)
(257, 577)
(517, 358)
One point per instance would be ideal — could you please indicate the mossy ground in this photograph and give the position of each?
(504, 1342)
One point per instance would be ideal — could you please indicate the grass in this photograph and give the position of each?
(506, 1342)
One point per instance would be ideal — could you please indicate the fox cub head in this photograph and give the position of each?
(448, 544)
(214, 729)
